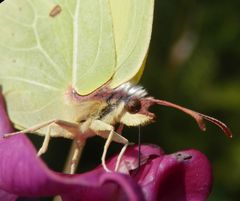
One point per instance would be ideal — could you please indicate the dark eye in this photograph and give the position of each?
(133, 106)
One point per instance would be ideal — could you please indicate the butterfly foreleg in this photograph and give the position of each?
(73, 129)
(120, 155)
(31, 129)
(45, 143)
(107, 131)
(69, 126)
(64, 124)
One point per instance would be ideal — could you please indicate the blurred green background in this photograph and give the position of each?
(193, 61)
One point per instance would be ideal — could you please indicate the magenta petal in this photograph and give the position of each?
(23, 174)
(5, 125)
(4, 196)
(183, 176)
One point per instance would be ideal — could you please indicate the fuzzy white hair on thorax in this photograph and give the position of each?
(132, 90)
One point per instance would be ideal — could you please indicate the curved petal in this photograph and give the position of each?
(182, 176)
(185, 176)
(7, 196)
(5, 124)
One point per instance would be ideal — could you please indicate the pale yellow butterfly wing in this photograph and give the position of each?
(84, 45)
(132, 24)
(42, 56)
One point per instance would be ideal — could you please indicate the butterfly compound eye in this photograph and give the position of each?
(133, 106)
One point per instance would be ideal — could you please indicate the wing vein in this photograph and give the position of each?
(17, 22)
(39, 44)
(32, 82)
(19, 48)
(38, 109)
(75, 42)
(45, 54)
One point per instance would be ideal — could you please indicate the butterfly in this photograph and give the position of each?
(70, 69)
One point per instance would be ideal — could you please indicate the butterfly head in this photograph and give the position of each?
(129, 105)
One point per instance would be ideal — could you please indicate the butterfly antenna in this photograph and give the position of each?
(199, 118)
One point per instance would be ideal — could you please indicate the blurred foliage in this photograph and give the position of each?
(193, 61)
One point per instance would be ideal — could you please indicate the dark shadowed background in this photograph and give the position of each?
(194, 61)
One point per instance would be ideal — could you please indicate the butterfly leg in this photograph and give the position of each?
(105, 149)
(120, 155)
(106, 146)
(100, 128)
(71, 127)
(31, 129)
(45, 144)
